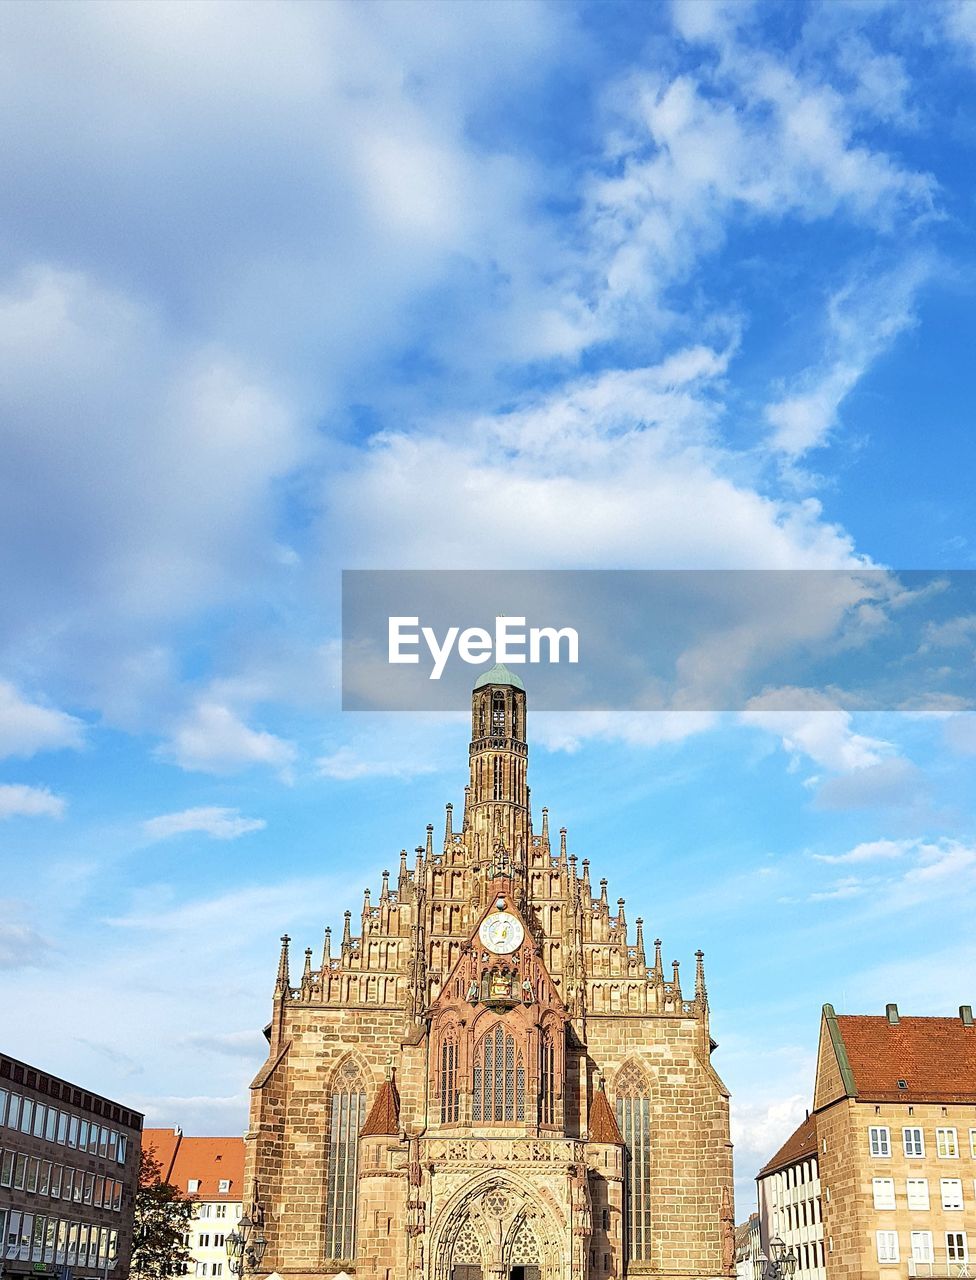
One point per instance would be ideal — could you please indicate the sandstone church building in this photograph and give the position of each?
(491, 1080)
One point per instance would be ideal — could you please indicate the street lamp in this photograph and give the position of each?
(245, 1247)
(781, 1262)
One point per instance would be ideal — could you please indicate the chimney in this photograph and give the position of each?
(891, 1013)
(966, 1014)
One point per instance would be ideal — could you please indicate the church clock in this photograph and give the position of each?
(502, 933)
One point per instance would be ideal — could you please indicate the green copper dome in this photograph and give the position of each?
(499, 674)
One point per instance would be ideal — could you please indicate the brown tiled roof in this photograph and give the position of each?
(603, 1123)
(801, 1144)
(936, 1057)
(209, 1161)
(384, 1115)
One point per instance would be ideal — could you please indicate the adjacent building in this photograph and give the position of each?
(790, 1203)
(69, 1169)
(880, 1180)
(895, 1105)
(491, 1079)
(210, 1171)
(748, 1264)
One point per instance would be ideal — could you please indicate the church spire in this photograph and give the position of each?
(284, 981)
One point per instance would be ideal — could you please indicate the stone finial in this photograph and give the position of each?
(545, 828)
(366, 904)
(585, 878)
(562, 843)
(430, 840)
(657, 957)
(621, 920)
(676, 964)
(639, 945)
(604, 901)
(701, 994)
(403, 868)
(385, 891)
(327, 948)
(347, 931)
(307, 973)
(284, 980)
(448, 823)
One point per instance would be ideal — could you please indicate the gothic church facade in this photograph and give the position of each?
(491, 1080)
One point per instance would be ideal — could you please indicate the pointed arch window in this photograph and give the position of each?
(633, 1118)
(498, 778)
(448, 1077)
(347, 1112)
(547, 1077)
(498, 714)
(498, 1079)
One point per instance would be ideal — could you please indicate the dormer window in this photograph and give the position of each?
(192, 1186)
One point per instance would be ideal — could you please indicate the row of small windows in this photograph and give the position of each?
(917, 1193)
(805, 1214)
(60, 1182)
(36, 1238)
(922, 1247)
(913, 1142)
(206, 1210)
(41, 1121)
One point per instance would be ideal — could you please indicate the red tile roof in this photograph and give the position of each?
(603, 1123)
(800, 1145)
(384, 1115)
(209, 1161)
(936, 1058)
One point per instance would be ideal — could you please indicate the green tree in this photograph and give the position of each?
(162, 1224)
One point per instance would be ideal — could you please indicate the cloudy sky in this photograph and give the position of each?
(287, 289)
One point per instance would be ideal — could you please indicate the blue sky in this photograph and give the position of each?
(296, 288)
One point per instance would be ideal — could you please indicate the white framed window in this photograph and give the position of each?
(951, 1193)
(203, 1210)
(888, 1246)
(972, 1143)
(947, 1144)
(922, 1250)
(914, 1140)
(918, 1193)
(203, 1242)
(192, 1186)
(879, 1138)
(957, 1246)
(223, 1186)
(884, 1193)
(220, 1211)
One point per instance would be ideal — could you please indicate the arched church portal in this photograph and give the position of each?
(494, 1234)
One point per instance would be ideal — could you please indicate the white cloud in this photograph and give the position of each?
(849, 887)
(895, 783)
(220, 823)
(567, 731)
(610, 470)
(29, 727)
(21, 946)
(863, 320)
(348, 765)
(870, 851)
(213, 739)
(954, 634)
(20, 801)
(821, 732)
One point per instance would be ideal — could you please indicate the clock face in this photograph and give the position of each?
(502, 933)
